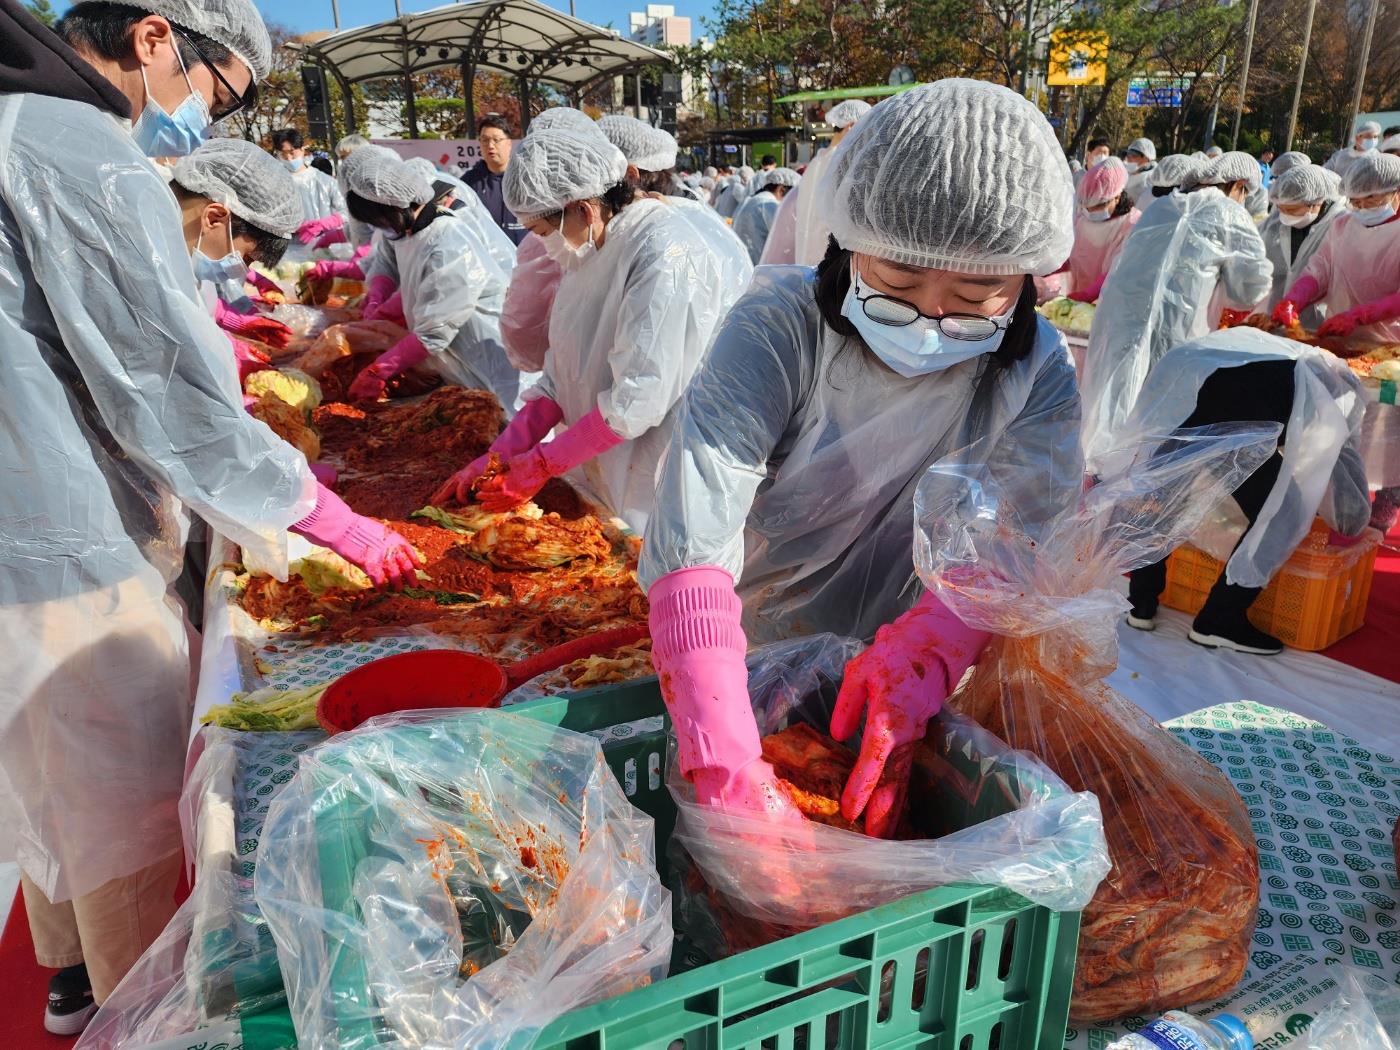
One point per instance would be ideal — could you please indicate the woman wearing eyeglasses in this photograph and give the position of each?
(785, 502)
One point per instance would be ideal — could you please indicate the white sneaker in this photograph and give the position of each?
(1142, 623)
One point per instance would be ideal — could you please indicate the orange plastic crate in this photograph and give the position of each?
(1316, 599)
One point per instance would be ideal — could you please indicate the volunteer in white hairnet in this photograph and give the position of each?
(1306, 203)
(457, 197)
(1141, 161)
(370, 248)
(734, 192)
(785, 505)
(642, 291)
(451, 289)
(237, 206)
(322, 201)
(121, 415)
(754, 219)
(1104, 220)
(1366, 141)
(1285, 162)
(1190, 255)
(1244, 375)
(1170, 173)
(800, 231)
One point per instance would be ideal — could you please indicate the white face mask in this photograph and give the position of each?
(565, 254)
(1132, 166)
(1297, 222)
(1102, 215)
(916, 349)
(1374, 216)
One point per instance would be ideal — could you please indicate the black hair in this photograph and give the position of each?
(494, 120)
(1095, 144)
(1162, 191)
(834, 280)
(382, 216)
(268, 248)
(322, 164)
(288, 136)
(663, 182)
(1394, 129)
(104, 29)
(768, 158)
(614, 199)
(1125, 205)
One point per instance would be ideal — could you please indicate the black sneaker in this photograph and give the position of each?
(70, 1001)
(1242, 638)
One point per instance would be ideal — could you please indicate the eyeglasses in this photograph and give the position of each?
(900, 313)
(240, 102)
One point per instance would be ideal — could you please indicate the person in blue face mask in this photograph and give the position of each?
(322, 202)
(785, 505)
(1366, 140)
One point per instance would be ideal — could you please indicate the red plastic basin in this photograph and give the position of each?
(410, 682)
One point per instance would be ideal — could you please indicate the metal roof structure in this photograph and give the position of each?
(524, 39)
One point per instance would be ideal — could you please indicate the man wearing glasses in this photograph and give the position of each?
(493, 133)
(119, 415)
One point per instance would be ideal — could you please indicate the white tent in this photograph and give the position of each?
(523, 39)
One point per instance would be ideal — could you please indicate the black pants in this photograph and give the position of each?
(1261, 391)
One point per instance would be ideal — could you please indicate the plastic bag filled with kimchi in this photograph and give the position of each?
(978, 812)
(1172, 922)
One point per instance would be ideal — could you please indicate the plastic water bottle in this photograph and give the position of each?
(1176, 1030)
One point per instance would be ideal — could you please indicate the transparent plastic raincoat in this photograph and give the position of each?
(1279, 245)
(796, 455)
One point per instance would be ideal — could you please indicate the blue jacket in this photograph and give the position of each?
(487, 185)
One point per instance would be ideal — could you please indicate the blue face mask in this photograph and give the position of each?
(295, 163)
(161, 134)
(916, 349)
(1373, 216)
(226, 274)
(1369, 143)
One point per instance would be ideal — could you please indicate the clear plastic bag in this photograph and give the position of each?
(1047, 843)
(459, 880)
(1365, 1015)
(215, 962)
(1171, 924)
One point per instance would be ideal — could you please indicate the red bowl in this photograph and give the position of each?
(409, 682)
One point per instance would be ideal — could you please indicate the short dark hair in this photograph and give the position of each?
(768, 158)
(104, 29)
(322, 164)
(288, 136)
(663, 182)
(1394, 129)
(1096, 143)
(1266, 149)
(834, 280)
(494, 120)
(614, 198)
(268, 248)
(383, 216)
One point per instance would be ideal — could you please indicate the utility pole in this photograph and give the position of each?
(1208, 140)
(1244, 74)
(1298, 86)
(1361, 70)
(1029, 45)
(335, 13)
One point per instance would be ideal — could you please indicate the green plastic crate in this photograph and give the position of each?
(960, 967)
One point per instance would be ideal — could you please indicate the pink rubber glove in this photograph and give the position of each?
(254, 326)
(331, 237)
(1091, 293)
(325, 474)
(1305, 290)
(370, 384)
(362, 251)
(329, 269)
(391, 309)
(899, 683)
(536, 419)
(249, 359)
(1341, 325)
(1377, 310)
(380, 288)
(311, 229)
(526, 474)
(384, 555)
(698, 647)
(263, 283)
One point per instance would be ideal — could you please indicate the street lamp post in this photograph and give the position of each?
(1361, 70)
(1244, 74)
(1298, 85)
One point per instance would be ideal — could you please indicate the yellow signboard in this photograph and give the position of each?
(1077, 59)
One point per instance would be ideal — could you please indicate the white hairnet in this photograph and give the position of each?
(1286, 161)
(1373, 173)
(561, 117)
(745, 172)
(254, 185)
(1213, 152)
(350, 143)
(234, 23)
(707, 183)
(711, 171)
(779, 177)
(424, 167)
(385, 179)
(1304, 184)
(1390, 143)
(1144, 146)
(557, 166)
(1368, 127)
(1173, 169)
(957, 174)
(847, 113)
(646, 147)
(1235, 166)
